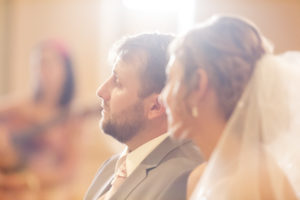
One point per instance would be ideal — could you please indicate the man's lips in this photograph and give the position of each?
(104, 108)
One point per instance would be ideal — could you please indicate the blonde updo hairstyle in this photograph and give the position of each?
(227, 48)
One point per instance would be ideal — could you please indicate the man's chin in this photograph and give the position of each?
(121, 134)
(106, 127)
(102, 124)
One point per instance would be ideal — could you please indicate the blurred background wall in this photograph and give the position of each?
(89, 28)
(279, 20)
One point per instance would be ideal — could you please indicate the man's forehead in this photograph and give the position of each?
(125, 66)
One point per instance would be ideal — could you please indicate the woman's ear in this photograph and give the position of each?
(200, 82)
(155, 107)
(199, 88)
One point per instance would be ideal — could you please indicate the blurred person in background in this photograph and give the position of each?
(38, 135)
(240, 104)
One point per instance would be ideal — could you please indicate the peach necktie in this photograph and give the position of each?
(118, 179)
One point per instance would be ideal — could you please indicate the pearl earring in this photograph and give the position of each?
(194, 112)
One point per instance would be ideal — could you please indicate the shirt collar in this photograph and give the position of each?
(134, 158)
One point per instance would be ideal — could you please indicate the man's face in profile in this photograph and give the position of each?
(123, 110)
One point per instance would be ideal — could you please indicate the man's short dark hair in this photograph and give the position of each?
(152, 50)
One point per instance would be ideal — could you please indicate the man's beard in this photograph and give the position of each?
(126, 124)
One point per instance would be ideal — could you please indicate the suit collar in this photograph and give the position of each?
(149, 163)
(135, 158)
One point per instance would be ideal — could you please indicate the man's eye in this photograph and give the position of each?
(117, 81)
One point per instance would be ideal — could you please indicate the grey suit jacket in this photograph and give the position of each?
(162, 174)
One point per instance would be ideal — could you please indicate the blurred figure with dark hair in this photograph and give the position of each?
(55, 77)
(38, 135)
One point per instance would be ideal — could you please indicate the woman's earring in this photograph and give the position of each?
(195, 111)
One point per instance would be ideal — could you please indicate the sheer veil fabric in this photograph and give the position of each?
(260, 146)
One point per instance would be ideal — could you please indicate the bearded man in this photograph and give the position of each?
(153, 165)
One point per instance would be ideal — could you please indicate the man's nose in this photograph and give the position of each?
(103, 91)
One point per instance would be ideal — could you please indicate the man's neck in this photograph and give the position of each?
(146, 135)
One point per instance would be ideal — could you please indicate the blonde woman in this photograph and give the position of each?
(240, 105)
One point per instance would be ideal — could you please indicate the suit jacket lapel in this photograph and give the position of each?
(101, 184)
(106, 186)
(141, 172)
(130, 183)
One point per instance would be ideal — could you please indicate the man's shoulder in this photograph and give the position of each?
(183, 157)
(172, 158)
(172, 151)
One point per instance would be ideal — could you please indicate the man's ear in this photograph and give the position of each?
(155, 107)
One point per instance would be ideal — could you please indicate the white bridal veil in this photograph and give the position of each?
(259, 150)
